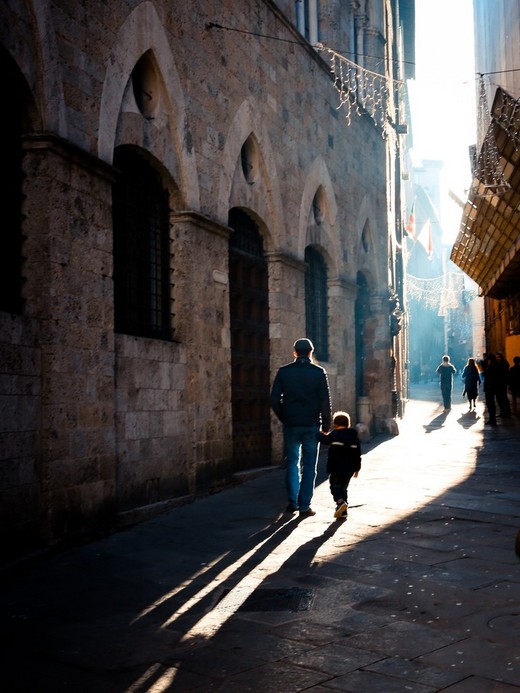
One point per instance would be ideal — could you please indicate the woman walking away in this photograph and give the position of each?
(471, 378)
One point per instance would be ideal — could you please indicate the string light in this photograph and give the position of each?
(439, 294)
(370, 92)
(488, 171)
(507, 115)
(361, 90)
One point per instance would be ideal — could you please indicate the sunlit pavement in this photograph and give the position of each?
(419, 590)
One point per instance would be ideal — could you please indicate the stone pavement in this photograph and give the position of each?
(418, 591)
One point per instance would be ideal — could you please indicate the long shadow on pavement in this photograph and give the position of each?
(163, 607)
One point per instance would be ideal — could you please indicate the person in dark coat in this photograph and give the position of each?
(471, 378)
(491, 378)
(501, 386)
(343, 460)
(514, 383)
(300, 398)
(446, 370)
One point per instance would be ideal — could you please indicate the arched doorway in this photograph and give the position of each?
(249, 317)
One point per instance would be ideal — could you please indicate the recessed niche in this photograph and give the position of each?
(365, 240)
(319, 205)
(145, 82)
(250, 160)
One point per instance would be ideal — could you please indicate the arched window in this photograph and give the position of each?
(142, 287)
(316, 310)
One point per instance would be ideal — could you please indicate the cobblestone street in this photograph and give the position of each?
(419, 590)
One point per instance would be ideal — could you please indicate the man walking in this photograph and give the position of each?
(446, 371)
(300, 398)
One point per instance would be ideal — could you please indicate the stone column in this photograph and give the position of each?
(342, 344)
(201, 305)
(69, 292)
(378, 367)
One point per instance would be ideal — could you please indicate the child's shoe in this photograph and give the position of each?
(341, 511)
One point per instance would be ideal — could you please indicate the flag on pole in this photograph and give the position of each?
(410, 226)
(425, 238)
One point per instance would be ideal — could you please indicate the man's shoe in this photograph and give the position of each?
(341, 511)
(291, 508)
(307, 513)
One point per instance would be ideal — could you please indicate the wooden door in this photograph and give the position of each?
(249, 310)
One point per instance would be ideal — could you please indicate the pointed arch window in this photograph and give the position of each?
(142, 258)
(316, 309)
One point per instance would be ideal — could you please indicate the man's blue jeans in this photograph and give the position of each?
(301, 455)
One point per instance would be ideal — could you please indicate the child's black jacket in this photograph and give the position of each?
(344, 450)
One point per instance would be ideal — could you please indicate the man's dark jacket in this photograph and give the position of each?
(300, 394)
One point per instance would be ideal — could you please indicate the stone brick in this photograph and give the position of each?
(118, 419)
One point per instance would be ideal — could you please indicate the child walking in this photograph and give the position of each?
(343, 461)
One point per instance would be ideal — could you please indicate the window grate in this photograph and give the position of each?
(142, 257)
(316, 310)
(245, 237)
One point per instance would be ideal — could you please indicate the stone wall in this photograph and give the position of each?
(100, 425)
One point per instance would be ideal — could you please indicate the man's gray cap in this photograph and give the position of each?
(303, 346)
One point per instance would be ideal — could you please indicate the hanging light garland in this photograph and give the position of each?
(507, 115)
(440, 294)
(488, 171)
(361, 90)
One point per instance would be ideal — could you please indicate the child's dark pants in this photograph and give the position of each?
(339, 485)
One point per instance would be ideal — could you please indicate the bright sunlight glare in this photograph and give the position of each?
(443, 96)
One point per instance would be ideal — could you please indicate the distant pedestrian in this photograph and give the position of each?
(446, 370)
(501, 387)
(471, 378)
(514, 383)
(300, 398)
(481, 364)
(343, 461)
(490, 388)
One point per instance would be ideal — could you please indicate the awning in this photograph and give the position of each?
(487, 248)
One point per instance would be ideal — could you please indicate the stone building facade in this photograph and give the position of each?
(184, 200)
